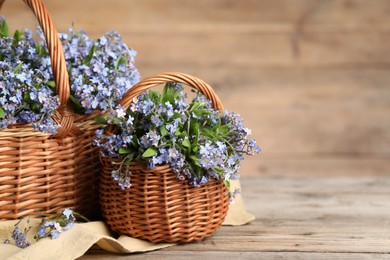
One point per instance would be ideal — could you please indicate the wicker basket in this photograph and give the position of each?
(41, 173)
(158, 207)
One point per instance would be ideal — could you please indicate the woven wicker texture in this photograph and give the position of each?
(158, 207)
(40, 173)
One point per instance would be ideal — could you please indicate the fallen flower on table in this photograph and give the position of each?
(52, 226)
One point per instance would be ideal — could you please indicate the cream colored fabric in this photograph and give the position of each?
(237, 214)
(76, 241)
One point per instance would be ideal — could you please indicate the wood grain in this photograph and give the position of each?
(340, 217)
(187, 255)
(315, 165)
(272, 16)
(313, 78)
(227, 32)
(313, 112)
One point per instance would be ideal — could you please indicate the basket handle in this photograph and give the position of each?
(167, 77)
(64, 114)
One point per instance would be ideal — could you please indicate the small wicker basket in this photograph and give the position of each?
(158, 207)
(41, 173)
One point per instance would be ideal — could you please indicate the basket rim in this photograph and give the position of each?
(21, 130)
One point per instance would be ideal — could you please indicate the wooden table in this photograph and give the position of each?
(298, 217)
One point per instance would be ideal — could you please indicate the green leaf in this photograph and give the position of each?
(123, 150)
(51, 84)
(195, 159)
(195, 148)
(227, 183)
(37, 85)
(116, 121)
(17, 68)
(152, 94)
(219, 170)
(39, 49)
(128, 161)
(168, 93)
(4, 32)
(163, 130)
(215, 127)
(164, 94)
(197, 112)
(194, 106)
(223, 129)
(149, 152)
(134, 142)
(186, 143)
(177, 115)
(101, 120)
(121, 61)
(2, 113)
(195, 130)
(34, 107)
(17, 38)
(129, 158)
(76, 103)
(198, 170)
(178, 133)
(88, 58)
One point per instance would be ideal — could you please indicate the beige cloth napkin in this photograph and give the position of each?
(76, 241)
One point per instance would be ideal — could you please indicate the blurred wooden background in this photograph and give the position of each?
(310, 77)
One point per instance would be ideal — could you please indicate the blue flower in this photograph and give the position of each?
(168, 109)
(153, 137)
(172, 154)
(41, 231)
(68, 226)
(55, 234)
(67, 212)
(129, 121)
(32, 96)
(127, 139)
(124, 181)
(145, 107)
(172, 127)
(181, 104)
(120, 112)
(22, 77)
(95, 102)
(49, 224)
(156, 120)
(20, 238)
(145, 142)
(14, 99)
(163, 155)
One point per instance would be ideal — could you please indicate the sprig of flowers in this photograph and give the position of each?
(100, 71)
(198, 142)
(52, 228)
(27, 91)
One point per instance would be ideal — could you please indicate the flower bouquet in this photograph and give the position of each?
(167, 164)
(47, 119)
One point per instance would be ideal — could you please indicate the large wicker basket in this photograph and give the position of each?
(158, 207)
(41, 173)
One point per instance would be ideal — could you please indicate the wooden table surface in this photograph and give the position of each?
(298, 217)
(312, 80)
